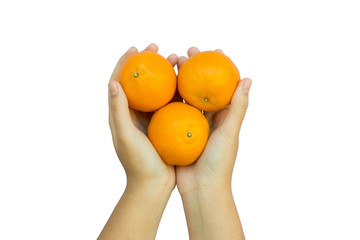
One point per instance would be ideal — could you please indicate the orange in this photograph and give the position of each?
(148, 80)
(207, 80)
(179, 133)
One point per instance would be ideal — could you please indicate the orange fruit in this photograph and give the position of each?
(148, 80)
(179, 133)
(207, 80)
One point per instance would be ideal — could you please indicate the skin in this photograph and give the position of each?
(149, 180)
(205, 186)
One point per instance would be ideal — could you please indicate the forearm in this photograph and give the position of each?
(212, 214)
(137, 214)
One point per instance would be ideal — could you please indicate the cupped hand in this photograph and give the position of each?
(213, 169)
(139, 158)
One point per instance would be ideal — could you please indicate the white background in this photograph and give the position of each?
(297, 172)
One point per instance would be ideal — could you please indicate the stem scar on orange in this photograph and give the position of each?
(148, 80)
(179, 133)
(207, 80)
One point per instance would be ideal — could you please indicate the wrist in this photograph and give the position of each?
(210, 191)
(153, 180)
(206, 188)
(148, 188)
(139, 210)
(208, 207)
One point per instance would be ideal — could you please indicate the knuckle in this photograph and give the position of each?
(114, 108)
(242, 107)
(244, 104)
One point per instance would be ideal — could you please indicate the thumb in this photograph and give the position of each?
(119, 114)
(238, 106)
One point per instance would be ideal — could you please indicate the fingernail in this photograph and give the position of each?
(246, 86)
(113, 89)
(219, 51)
(131, 49)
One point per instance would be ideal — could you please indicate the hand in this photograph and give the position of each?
(149, 180)
(139, 158)
(213, 169)
(205, 186)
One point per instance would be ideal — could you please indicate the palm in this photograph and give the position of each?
(207, 166)
(141, 120)
(152, 162)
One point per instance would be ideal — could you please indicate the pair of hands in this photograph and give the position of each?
(143, 165)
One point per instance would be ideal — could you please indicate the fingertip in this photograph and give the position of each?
(240, 96)
(152, 48)
(246, 85)
(239, 104)
(192, 51)
(246, 78)
(173, 59)
(173, 55)
(113, 88)
(116, 90)
(132, 50)
(181, 60)
(219, 51)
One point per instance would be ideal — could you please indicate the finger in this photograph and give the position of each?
(119, 110)
(112, 128)
(173, 59)
(122, 59)
(152, 48)
(220, 51)
(181, 60)
(193, 50)
(238, 106)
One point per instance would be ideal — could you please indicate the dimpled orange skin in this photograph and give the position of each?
(179, 133)
(207, 80)
(148, 80)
